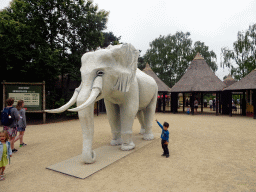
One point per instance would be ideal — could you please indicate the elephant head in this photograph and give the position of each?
(103, 72)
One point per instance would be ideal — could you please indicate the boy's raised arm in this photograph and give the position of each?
(160, 125)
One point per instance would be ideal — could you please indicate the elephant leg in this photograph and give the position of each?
(128, 112)
(148, 118)
(140, 116)
(113, 113)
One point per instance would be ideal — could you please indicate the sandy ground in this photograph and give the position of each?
(207, 153)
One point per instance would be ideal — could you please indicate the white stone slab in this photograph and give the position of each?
(106, 155)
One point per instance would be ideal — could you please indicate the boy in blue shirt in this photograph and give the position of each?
(165, 138)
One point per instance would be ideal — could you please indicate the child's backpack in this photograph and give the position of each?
(6, 118)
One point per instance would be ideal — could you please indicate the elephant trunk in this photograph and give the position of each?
(85, 103)
(85, 95)
(87, 125)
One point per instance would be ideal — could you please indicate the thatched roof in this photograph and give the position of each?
(162, 87)
(198, 77)
(229, 80)
(248, 82)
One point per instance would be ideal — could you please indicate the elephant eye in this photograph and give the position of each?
(100, 73)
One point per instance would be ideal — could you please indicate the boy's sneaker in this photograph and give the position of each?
(23, 144)
(14, 150)
(167, 156)
(163, 154)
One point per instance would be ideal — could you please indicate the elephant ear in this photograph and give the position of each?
(126, 57)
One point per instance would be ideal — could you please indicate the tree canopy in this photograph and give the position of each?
(110, 39)
(40, 40)
(242, 59)
(169, 56)
(44, 40)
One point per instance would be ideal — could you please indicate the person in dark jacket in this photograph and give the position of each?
(164, 137)
(12, 129)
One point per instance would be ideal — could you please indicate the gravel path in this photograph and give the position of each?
(207, 153)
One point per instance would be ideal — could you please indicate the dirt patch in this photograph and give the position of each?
(207, 153)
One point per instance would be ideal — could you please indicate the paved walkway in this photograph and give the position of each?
(208, 153)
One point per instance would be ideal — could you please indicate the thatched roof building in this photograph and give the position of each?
(198, 78)
(162, 87)
(246, 83)
(229, 81)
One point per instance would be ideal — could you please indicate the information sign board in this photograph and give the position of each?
(30, 94)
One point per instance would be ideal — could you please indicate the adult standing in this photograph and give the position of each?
(205, 102)
(21, 123)
(214, 104)
(210, 103)
(12, 128)
(186, 102)
(234, 105)
(196, 104)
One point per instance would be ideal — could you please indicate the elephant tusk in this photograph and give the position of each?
(67, 105)
(90, 100)
(96, 90)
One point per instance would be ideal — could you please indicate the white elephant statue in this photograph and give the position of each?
(112, 74)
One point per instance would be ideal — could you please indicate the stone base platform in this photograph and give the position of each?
(105, 156)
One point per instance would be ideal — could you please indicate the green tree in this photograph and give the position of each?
(16, 50)
(81, 26)
(110, 39)
(40, 40)
(169, 56)
(242, 59)
(141, 63)
(209, 56)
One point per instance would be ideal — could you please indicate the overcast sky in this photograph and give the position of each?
(140, 22)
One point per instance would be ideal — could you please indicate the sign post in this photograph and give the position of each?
(33, 95)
